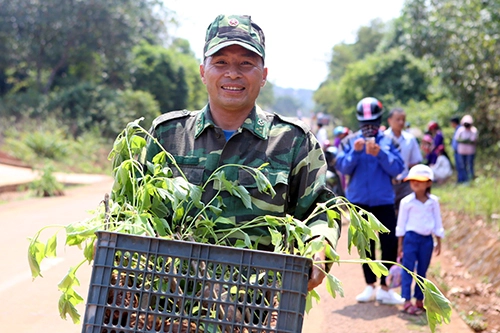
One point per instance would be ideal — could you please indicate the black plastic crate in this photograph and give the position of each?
(146, 284)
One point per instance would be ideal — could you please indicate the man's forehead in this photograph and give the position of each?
(236, 50)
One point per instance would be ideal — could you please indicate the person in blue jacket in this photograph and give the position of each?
(371, 160)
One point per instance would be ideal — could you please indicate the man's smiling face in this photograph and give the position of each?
(233, 77)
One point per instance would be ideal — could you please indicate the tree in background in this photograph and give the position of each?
(395, 77)
(88, 106)
(287, 105)
(266, 98)
(80, 60)
(460, 39)
(154, 69)
(343, 54)
(371, 66)
(44, 39)
(368, 68)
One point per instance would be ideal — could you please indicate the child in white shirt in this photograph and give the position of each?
(442, 168)
(419, 219)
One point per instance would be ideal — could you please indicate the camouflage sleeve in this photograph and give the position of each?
(308, 188)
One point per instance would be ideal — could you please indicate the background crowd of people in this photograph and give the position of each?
(389, 171)
(444, 155)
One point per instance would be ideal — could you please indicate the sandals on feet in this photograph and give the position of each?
(420, 305)
(412, 309)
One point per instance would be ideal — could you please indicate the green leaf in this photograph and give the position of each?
(225, 184)
(248, 241)
(369, 233)
(354, 218)
(378, 268)
(162, 192)
(273, 221)
(240, 244)
(276, 239)
(36, 253)
(67, 307)
(215, 210)
(376, 225)
(69, 281)
(334, 286)
(160, 158)
(88, 251)
(34, 266)
(332, 216)
(136, 144)
(224, 222)
(309, 299)
(160, 225)
(316, 245)
(263, 184)
(195, 193)
(159, 208)
(438, 307)
(331, 254)
(242, 193)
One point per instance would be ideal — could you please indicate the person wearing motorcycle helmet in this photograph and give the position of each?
(370, 159)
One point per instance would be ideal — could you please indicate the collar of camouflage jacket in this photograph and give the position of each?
(258, 122)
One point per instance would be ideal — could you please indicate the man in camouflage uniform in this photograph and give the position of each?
(232, 129)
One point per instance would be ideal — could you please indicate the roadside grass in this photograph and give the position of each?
(479, 198)
(39, 144)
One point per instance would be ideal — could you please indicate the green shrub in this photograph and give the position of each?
(88, 105)
(47, 185)
(88, 154)
(30, 103)
(37, 146)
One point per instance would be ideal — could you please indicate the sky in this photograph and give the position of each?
(299, 35)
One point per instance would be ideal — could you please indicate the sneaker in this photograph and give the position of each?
(366, 295)
(389, 297)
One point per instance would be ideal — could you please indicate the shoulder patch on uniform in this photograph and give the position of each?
(294, 121)
(172, 115)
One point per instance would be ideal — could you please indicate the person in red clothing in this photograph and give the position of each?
(437, 140)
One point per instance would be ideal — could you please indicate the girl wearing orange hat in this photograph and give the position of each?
(419, 219)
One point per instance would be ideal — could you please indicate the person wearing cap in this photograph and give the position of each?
(427, 146)
(339, 133)
(466, 138)
(461, 175)
(419, 219)
(370, 160)
(232, 130)
(409, 149)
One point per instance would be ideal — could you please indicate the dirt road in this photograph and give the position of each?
(32, 307)
(29, 307)
(344, 314)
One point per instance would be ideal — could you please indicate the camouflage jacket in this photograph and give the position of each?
(296, 166)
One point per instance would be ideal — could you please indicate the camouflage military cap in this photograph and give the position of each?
(228, 30)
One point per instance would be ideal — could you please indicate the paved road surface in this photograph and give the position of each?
(29, 307)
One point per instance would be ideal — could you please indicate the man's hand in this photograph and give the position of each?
(317, 274)
(372, 148)
(359, 144)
